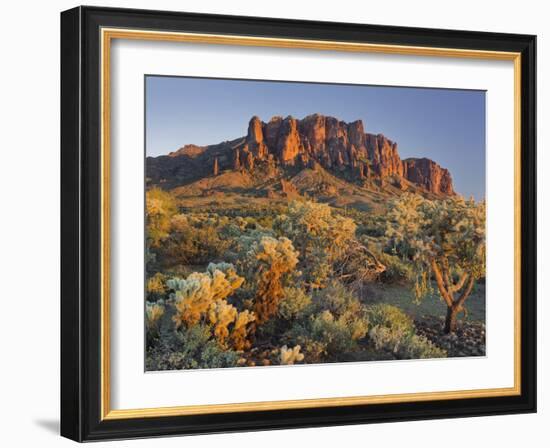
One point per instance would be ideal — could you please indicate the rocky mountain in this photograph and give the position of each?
(288, 145)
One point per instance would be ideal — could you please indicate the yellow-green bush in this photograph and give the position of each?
(320, 237)
(190, 348)
(194, 239)
(160, 206)
(394, 332)
(332, 327)
(153, 314)
(294, 302)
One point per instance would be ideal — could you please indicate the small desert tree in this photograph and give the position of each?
(443, 238)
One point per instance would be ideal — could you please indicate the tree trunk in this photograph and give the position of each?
(450, 320)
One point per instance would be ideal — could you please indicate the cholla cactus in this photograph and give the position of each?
(201, 297)
(221, 314)
(239, 334)
(195, 295)
(274, 252)
(290, 355)
(229, 271)
(445, 238)
(269, 261)
(153, 313)
(320, 237)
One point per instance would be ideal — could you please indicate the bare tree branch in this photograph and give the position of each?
(440, 283)
(458, 286)
(460, 301)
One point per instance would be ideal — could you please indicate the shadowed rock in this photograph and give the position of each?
(289, 143)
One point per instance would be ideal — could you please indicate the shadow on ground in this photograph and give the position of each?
(51, 426)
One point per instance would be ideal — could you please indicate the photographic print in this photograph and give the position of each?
(284, 202)
(303, 223)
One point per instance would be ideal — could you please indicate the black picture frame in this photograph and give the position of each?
(81, 224)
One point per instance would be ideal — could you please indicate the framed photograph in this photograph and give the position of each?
(276, 224)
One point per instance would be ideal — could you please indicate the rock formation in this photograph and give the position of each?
(215, 168)
(429, 175)
(335, 144)
(290, 143)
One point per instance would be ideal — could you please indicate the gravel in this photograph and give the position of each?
(468, 339)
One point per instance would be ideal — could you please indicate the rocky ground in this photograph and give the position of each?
(468, 340)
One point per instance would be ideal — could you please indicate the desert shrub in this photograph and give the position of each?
(267, 264)
(397, 269)
(332, 327)
(194, 239)
(336, 334)
(337, 299)
(373, 225)
(389, 316)
(190, 348)
(293, 303)
(315, 351)
(419, 347)
(358, 265)
(201, 299)
(160, 206)
(319, 236)
(313, 346)
(345, 307)
(155, 287)
(393, 331)
(153, 315)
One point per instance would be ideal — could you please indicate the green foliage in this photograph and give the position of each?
(294, 302)
(394, 332)
(445, 238)
(382, 315)
(190, 348)
(331, 327)
(369, 224)
(338, 300)
(338, 334)
(397, 270)
(288, 294)
(160, 206)
(419, 347)
(153, 315)
(320, 237)
(194, 239)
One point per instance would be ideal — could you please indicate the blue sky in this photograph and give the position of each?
(445, 125)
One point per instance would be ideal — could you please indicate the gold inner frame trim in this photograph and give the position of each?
(107, 35)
